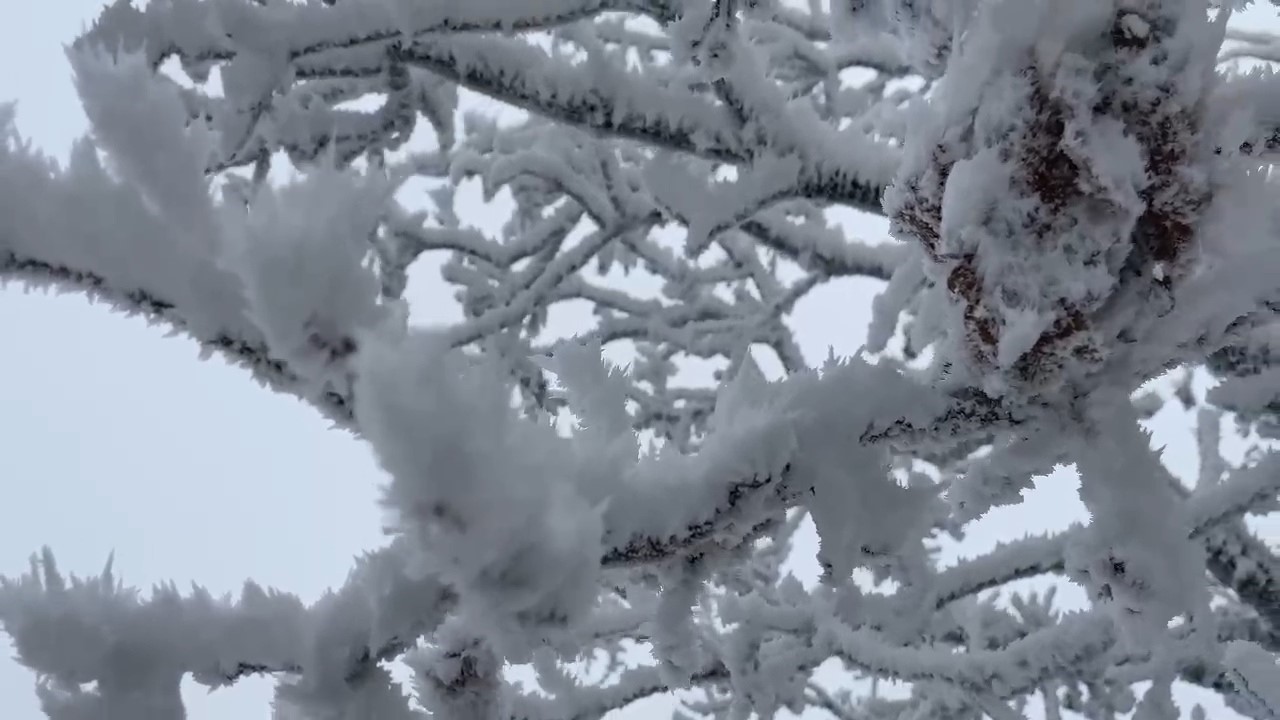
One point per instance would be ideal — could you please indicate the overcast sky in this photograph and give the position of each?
(116, 438)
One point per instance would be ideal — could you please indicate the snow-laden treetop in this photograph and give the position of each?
(1079, 198)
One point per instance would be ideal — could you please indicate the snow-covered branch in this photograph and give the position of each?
(1079, 197)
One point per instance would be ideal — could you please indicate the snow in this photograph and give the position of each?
(1073, 212)
(1255, 672)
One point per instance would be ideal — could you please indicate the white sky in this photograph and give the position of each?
(115, 438)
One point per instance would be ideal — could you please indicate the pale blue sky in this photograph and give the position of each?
(116, 438)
